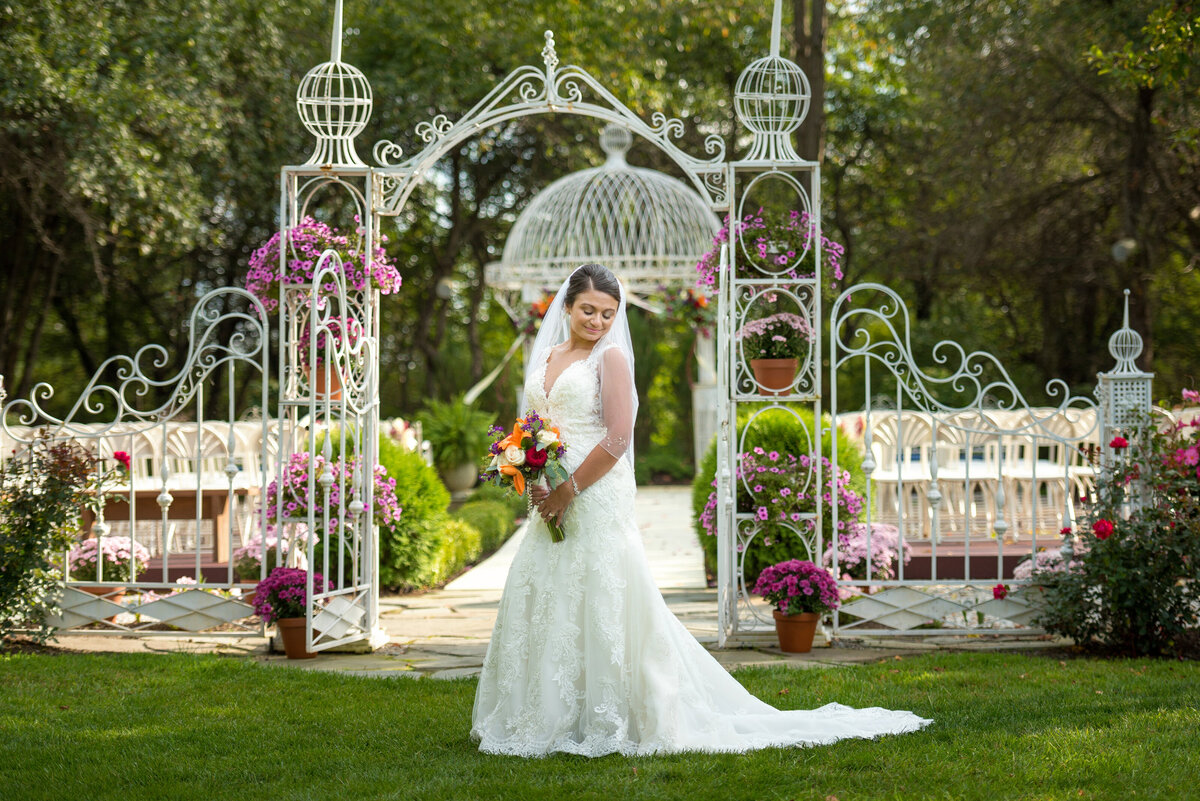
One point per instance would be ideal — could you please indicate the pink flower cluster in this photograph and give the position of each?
(296, 500)
(779, 490)
(881, 551)
(797, 586)
(283, 593)
(777, 336)
(247, 560)
(308, 241)
(758, 232)
(1045, 561)
(339, 333)
(117, 553)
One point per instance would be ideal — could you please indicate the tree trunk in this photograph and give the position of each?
(808, 25)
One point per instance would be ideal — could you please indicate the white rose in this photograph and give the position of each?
(546, 439)
(495, 462)
(514, 455)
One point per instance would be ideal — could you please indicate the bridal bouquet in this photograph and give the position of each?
(531, 450)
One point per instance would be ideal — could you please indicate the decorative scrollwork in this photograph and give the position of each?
(882, 333)
(666, 127)
(435, 129)
(387, 153)
(230, 312)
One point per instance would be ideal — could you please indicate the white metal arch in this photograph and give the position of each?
(531, 91)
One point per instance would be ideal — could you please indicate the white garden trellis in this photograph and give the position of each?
(335, 102)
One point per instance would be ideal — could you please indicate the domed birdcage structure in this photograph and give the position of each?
(647, 227)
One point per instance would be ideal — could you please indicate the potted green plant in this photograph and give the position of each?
(801, 592)
(458, 434)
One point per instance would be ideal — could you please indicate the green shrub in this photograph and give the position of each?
(1132, 581)
(490, 492)
(495, 521)
(408, 550)
(458, 544)
(664, 463)
(774, 430)
(40, 499)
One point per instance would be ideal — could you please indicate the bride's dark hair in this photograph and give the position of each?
(592, 276)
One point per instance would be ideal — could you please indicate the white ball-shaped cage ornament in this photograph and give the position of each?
(772, 99)
(647, 227)
(1125, 345)
(334, 102)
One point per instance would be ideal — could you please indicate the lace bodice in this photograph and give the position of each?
(576, 406)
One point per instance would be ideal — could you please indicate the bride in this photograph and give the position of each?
(585, 657)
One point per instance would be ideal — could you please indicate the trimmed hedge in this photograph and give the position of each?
(494, 520)
(773, 430)
(458, 544)
(409, 551)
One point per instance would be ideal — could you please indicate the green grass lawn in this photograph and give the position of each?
(92, 727)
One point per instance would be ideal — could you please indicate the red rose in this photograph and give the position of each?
(1065, 531)
(999, 591)
(1118, 443)
(535, 458)
(124, 458)
(1102, 528)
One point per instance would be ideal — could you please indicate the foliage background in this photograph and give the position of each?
(981, 156)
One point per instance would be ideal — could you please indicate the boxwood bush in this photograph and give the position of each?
(494, 520)
(409, 550)
(458, 544)
(774, 430)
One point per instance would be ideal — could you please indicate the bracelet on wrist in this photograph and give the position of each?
(574, 486)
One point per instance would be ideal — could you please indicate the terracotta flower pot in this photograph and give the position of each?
(291, 631)
(796, 632)
(316, 379)
(774, 376)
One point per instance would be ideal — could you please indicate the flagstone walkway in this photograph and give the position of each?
(444, 633)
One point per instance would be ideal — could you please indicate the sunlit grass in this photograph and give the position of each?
(175, 726)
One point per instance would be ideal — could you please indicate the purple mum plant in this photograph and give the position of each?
(796, 587)
(284, 593)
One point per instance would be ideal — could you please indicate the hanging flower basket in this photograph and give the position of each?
(308, 240)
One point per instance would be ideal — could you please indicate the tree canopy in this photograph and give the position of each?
(1009, 167)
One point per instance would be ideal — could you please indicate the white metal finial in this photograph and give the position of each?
(334, 101)
(776, 27)
(615, 140)
(549, 54)
(335, 49)
(1125, 345)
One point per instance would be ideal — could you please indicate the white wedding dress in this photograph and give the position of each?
(586, 658)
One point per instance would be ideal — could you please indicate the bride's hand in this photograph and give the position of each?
(553, 505)
(538, 493)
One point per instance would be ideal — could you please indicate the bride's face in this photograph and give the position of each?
(592, 315)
